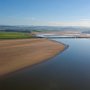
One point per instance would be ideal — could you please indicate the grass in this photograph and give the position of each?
(14, 35)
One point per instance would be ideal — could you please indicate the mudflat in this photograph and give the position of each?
(21, 53)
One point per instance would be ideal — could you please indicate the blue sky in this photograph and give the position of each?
(45, 12)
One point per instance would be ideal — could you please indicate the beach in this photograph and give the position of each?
(21, 53)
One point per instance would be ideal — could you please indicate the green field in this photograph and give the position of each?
(14, 35)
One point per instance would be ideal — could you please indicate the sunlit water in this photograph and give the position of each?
(69, 70)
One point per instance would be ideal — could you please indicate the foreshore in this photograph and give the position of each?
(21, 53)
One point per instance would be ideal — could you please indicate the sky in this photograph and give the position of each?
(45, 12)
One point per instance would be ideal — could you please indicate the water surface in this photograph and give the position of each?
(69, 70)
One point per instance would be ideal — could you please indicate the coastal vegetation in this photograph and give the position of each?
(14, 35)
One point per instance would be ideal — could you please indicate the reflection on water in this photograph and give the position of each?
(69, 70)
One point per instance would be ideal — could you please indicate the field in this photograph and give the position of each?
(14, 35)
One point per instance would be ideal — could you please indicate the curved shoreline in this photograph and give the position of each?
(66, 46)
(56, 52)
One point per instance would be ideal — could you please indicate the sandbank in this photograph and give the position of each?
(21, 53)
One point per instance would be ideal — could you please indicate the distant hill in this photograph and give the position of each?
(86, 32)
(8, 28)
(4, 28)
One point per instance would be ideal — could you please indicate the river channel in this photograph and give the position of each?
(69, 70)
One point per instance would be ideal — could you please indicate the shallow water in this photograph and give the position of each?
(69, 70)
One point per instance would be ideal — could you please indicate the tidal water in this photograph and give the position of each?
(69, 70)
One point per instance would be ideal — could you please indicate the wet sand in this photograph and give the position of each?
(21, 53)
(74, 34)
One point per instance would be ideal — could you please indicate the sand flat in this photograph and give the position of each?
(17, 54)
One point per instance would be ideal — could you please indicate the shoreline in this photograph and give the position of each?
(61, 48)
